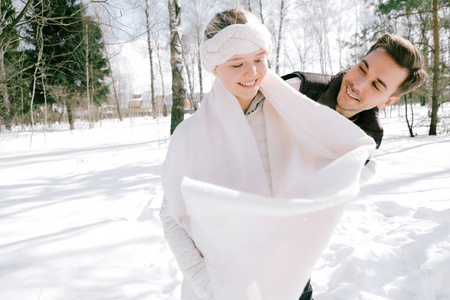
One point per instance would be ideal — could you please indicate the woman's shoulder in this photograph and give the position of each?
(181, 132)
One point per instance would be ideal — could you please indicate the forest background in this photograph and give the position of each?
(62, 60)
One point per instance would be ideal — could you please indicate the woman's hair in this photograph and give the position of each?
(223, 19)
(406, 56)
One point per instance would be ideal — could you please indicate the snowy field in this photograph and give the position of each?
(79, 217)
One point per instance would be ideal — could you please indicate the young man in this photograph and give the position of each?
(391, 68)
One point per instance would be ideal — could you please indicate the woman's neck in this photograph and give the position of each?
(245, 104)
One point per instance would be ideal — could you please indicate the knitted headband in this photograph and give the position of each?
(234, 39)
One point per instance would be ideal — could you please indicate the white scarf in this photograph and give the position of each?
(257, 245)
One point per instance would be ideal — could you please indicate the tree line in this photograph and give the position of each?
(51, 52)
(62, 53)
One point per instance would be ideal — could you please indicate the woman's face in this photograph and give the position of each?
(242, 75)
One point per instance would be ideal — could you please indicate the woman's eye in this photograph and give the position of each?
(237, 66)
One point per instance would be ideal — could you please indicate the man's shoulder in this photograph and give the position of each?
(312, 85)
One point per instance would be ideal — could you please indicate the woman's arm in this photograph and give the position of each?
(190, 261)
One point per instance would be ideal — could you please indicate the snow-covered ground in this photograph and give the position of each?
(79, 218)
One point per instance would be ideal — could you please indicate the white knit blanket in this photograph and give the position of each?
(259, 245)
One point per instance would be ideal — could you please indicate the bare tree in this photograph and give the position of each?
(8, 25)
(88, 92)
(436, 71)
(161, 73)
(197, 15)
(38, 68)
(409, 123)
(178, 90)
(189, 60)
(150, 55)
(261, 11)
(282, 14)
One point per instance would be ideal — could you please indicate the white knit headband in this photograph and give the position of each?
(232, 40)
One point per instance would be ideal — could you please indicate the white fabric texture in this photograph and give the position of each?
(196, 284)
(232, 40)
(258, 127)
(259, 244)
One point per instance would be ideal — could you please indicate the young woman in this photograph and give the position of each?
(255, 179)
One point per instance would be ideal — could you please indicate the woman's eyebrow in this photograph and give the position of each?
(262, 52)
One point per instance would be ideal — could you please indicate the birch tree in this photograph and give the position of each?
(150, 55)
(176, 61)
(282, 14)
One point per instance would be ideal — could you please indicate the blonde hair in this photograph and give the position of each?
(223, 19)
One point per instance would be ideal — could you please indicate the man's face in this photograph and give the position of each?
(370, 83)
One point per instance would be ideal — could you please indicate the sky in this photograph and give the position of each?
(79, 216)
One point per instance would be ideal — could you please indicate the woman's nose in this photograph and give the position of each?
(250, 69)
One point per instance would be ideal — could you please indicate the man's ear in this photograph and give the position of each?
(388, 102)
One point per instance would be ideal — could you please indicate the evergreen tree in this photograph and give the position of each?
(72, 63)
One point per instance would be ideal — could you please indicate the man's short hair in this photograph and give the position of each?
(407, 56)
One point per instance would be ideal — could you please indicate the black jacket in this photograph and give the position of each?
(324, 89)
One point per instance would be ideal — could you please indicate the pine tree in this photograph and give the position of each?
(72, 55)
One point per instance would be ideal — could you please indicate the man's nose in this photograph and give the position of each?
(360, 84)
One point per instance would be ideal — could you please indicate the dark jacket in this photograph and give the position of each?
(324, 89)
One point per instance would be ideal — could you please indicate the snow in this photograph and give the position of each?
(79, 217)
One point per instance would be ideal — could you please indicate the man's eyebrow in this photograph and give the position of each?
(378, 79)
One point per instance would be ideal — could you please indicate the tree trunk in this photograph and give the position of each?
(199, 64)
(408, 123)
(261, 12)
(88, 94)
(45, 102)
(6, 107)
(280, 30)
(178, 90)
(113, 81)
(150, 55)
(436, 72)
(189, 60)
(70, 114)
(38, 63)
(158, 53)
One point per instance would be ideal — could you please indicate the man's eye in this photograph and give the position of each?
(362, 70)
(375, 86)
(258, 60)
